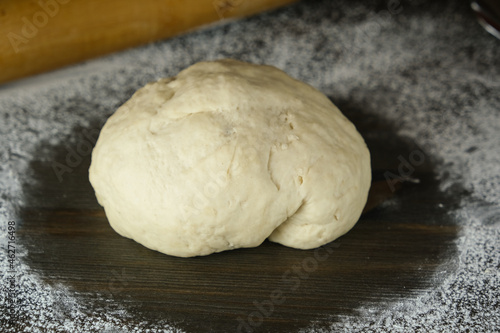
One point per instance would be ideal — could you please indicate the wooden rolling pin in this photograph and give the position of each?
(40, 35)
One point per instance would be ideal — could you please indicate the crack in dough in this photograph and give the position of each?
(270, 170)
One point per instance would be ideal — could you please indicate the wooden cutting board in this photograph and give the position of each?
(392, 253)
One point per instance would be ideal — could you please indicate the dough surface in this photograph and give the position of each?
(225, 155)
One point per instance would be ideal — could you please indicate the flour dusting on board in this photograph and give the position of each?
(429, 68)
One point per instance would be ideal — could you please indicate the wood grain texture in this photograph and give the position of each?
(37, 36)
(393, 252)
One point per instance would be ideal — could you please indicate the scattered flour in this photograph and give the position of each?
(429, 68)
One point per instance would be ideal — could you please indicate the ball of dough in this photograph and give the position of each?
(228, 154)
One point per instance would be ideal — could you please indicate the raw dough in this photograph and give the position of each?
(228, 154)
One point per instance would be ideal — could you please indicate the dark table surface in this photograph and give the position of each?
(419, 79)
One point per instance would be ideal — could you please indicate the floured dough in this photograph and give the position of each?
(228, 154)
